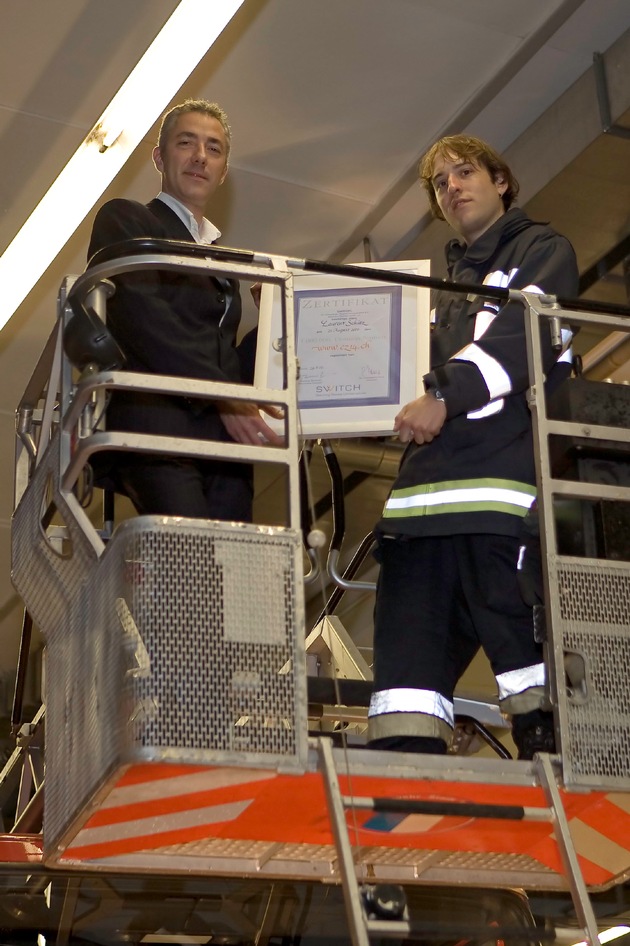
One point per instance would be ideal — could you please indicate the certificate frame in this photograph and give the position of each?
(362, 346)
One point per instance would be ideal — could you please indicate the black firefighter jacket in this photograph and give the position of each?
(477, 475)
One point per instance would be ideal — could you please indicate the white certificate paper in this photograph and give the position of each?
(362, 347)
(348, 346)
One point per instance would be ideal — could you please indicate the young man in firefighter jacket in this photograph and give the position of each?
(448, 538)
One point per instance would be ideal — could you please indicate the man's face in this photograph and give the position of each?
(467, 196)
(193, 160)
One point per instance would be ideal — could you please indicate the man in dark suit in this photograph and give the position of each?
(182, 325)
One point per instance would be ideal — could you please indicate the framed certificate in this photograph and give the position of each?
(362, 347)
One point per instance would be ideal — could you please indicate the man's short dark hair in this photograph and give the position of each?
(195, 105)
(466, 148)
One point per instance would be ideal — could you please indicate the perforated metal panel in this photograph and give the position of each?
(593, 601)
(212, 622)
(188, 647)
(48, 574)
(85, 708)
(58, 579)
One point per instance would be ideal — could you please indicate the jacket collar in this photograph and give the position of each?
(508, 225)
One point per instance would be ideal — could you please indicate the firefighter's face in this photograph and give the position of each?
(467, 195)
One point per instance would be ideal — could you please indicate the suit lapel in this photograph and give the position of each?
(177, 230)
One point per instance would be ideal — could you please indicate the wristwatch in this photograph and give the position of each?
(437, 394)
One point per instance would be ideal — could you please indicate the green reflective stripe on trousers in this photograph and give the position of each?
(456, 496)
(453, 508)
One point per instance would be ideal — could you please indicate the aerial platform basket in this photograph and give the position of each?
(171, 640)
(177, 733)
(182, 643)
(177, 724)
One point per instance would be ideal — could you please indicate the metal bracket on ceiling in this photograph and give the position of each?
(604, 102)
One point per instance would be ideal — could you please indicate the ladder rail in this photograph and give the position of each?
(543, 766)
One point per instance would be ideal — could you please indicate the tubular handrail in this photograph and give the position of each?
(223, 254)
(445, 285)
(339, 524)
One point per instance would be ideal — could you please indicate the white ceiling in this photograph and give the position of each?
(331, 102)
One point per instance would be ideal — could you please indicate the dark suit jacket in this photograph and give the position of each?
(167, 323)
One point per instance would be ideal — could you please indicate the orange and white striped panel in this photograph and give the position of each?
(155, 806)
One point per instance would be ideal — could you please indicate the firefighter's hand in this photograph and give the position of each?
(244, 423)
(420, 420)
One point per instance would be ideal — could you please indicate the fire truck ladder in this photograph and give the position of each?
(364, 921)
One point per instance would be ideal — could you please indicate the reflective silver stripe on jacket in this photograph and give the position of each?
(492, 371)
(498, 278)
(409, 700)
(493, 407)
(483, 495)
(515, 681)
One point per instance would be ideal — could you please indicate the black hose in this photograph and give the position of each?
(338, 505)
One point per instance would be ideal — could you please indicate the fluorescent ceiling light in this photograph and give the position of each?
(608, 935)
(177, 49)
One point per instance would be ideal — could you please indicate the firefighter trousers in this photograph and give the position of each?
(438, 600)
